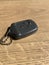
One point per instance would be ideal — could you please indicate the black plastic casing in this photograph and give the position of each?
(22, 29)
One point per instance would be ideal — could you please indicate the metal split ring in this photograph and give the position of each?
(4, 39)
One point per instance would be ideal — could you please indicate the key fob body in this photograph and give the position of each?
(22, 29)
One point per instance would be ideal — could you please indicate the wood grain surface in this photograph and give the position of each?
(32, 50)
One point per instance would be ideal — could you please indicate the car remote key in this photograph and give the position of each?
(20, 29)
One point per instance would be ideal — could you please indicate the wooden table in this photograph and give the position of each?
(32, 50)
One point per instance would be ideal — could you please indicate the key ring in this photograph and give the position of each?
(5, 37)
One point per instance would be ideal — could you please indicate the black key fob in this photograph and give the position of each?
(21, 29)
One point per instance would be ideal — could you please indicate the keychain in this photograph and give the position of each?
(19, 30)
(5, 37)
